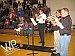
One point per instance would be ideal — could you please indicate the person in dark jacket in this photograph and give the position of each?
(65, 34)
(16, 23)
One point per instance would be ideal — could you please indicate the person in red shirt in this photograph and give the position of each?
(7, 21)
(14, 16)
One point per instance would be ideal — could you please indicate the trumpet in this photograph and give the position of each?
(53, 18)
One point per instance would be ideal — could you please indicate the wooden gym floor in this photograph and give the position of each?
(8, 35)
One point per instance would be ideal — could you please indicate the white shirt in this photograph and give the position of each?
(42, 18)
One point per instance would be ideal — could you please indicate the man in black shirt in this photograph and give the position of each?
(65, 34)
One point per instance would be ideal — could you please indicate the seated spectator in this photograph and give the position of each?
(39, 4)
(2, 22)
(11, 9)
(7, 22)
(14, 16)
(28, 27)
(20, 27)
(15, 4)
(16, 23)
(21, 14)
(19, 6)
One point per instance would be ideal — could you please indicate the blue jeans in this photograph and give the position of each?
(29, 31)
(64, 43)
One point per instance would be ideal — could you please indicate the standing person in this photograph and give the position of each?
(57, 34)
(65, 33)
(41, 25)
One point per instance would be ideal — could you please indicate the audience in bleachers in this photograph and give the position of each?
(14, 13)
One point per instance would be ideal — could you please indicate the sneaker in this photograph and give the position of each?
(55, 52)
(15, 29)
(40, 42)
(53, 49)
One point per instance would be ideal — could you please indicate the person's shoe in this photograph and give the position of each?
(15, 29)
(55, 52)
(40, 42)
(42, 45)
(53, 49)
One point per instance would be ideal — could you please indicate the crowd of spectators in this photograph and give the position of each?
(14, 13)
(12, 10)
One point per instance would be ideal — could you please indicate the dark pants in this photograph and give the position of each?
(41, 32)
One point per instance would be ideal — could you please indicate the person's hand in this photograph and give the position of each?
(36, 15)
(54, 23)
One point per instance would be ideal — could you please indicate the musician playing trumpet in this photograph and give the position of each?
(56, 20)
(41, 25)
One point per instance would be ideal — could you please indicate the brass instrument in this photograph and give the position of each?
(52, 18)
(55, 19)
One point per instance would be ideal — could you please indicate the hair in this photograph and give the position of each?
(59, 10)
(41, 9)
(66, 9)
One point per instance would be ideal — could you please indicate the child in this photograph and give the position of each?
(7, 22)
(28, 27)
(20, 27)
